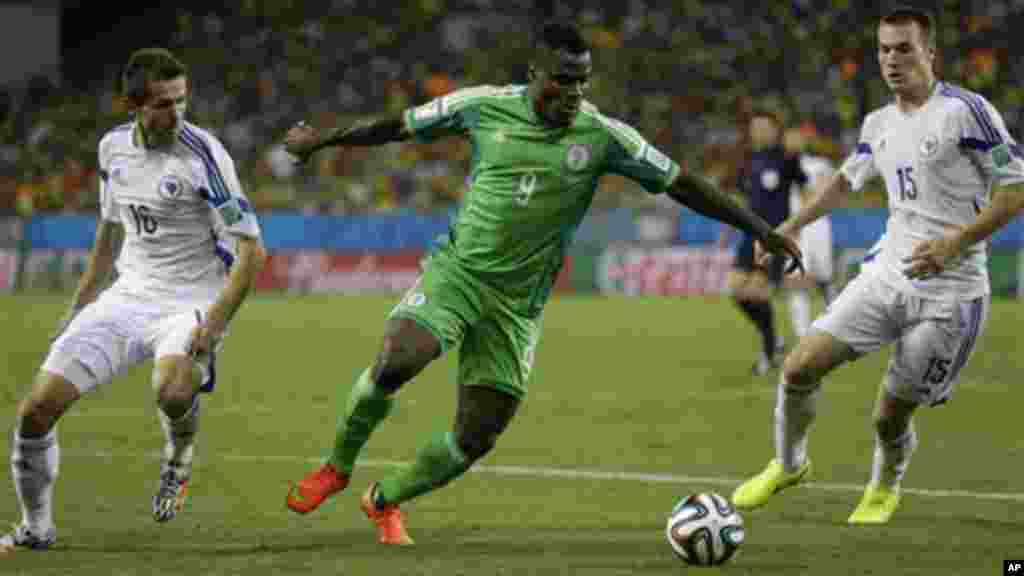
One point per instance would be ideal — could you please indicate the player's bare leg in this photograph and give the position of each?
(406, 349)
(483, 414)
(176, 379)
(752, 292)
(815, 356)
(895, 441)
(35, 460)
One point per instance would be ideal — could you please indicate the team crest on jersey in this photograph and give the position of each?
(578, 157)
(170, 187)
(929, 146)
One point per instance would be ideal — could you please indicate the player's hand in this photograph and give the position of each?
(203, 338)
(778, 245)
(931, 257)
(301, 141)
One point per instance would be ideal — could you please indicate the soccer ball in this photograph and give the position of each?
(704, 530)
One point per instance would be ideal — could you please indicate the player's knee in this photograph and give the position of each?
(37, 414)
(475, 446)
(175, 395)
(798, 372)
(890, 428)
(401, 358)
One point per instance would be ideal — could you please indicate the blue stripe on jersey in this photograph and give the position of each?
(194, 142)
(975, 309)
(224, 255)
(978, 110)
(201, 149)
(870, 256)
(863, 148)
(1017, 150)
(976, 144)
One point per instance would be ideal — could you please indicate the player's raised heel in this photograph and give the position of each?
(755, 492)
(876, 506)
(22, 537)
(316, 487)
(390, 525)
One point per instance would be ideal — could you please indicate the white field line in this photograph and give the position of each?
(575, 474)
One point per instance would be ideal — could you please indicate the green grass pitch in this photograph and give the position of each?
(634, 403)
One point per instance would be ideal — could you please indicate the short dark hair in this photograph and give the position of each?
(902, 14)
(149, 65)
(560, 35)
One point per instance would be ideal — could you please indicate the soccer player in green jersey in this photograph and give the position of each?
(538, 153)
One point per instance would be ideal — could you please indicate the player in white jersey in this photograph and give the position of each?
(190, 252)
(815, 238)
(953, 176)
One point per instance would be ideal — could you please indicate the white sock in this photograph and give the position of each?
(892, 458)
(800, 311)
(794, 413)
(34, 466)
(180, 434)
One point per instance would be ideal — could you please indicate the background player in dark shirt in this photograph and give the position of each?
(765, 179)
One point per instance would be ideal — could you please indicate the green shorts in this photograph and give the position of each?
(496, 343)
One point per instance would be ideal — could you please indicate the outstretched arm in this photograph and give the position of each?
(830, 197)
(700, 195)
(703, 197)
(303, 140)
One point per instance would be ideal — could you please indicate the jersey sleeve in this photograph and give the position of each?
(982, 134)
(108, 208)
(630, 155)
(231, 211)
(859, 167)
(445, 116)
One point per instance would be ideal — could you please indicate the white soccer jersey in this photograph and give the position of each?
(939, 164)
(179, 207)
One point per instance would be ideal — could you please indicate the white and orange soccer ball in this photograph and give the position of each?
(704, 529)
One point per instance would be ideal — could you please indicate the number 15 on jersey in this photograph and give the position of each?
(908, 188)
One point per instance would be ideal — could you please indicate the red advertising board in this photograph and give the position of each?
(664, 271)
(353, 273)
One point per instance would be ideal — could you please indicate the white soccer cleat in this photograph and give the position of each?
(22, 537)
(173, 491)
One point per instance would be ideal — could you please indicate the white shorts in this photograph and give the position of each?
(934, 338)
(120, 330)
(816, 244)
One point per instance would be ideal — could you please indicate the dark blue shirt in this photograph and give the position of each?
(766, 179)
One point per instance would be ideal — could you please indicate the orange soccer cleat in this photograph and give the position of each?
(390, 526)
(316, 487)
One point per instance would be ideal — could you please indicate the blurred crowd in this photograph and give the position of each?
(684, 72)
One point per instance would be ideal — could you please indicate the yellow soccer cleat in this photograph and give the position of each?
(755, 492)
(876, 506)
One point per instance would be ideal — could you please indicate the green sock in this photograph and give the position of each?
(366, 407)
(438, 462)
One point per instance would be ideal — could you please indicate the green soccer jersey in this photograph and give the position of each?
(531, 184)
